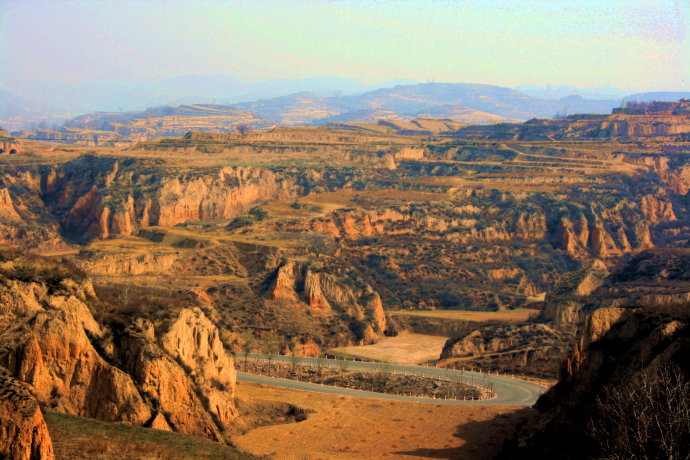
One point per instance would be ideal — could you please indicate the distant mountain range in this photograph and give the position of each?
(470, 103)
(56, 100)
(658, 96)
(328, 100)
(559, 92)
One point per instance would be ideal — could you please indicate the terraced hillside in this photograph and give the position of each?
(305, 237)
(455, 102)
(125, 128)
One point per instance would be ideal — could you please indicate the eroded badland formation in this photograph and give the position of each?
(152, 262)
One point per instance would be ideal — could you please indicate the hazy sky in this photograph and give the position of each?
(635, 45)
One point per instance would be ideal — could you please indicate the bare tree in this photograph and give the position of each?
(124, 295)
(645, 417)
(319, 244)
(343, 365)
(247, 347)
(293, 355)
(272, 348)
(242, 129)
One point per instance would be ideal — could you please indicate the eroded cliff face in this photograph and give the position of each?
(131, 264)
(604, 232)
(635, 346)
(174, 394)
(532, 349)
(165, 200)
(178, 378)
(630, 334)
(95, 197)
(24, 434)
(565, 304)
(329, 288)
(195, 341)
(47, 345)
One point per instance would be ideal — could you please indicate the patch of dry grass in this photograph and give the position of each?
(344, 427)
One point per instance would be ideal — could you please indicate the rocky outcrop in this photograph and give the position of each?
(183, 371)
(286, 282)
(195, 342)
(533, 349)
(109, 264)
(164, 382)
(597, 237)
(494, 339)
(628, 352)
(178, 377)
(323, 285)
(24, 434)
(47, 344)
(10, 146)
(358, 301)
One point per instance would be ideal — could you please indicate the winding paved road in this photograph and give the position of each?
(509, 391)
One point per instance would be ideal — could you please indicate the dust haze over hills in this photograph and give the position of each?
(54, 101)
(163, 255)
(311, 101)
(209, 210)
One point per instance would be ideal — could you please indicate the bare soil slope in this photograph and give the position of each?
(354, 428)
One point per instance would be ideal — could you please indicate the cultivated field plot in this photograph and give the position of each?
(518, 314)
(344, 427)
(403, 349)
